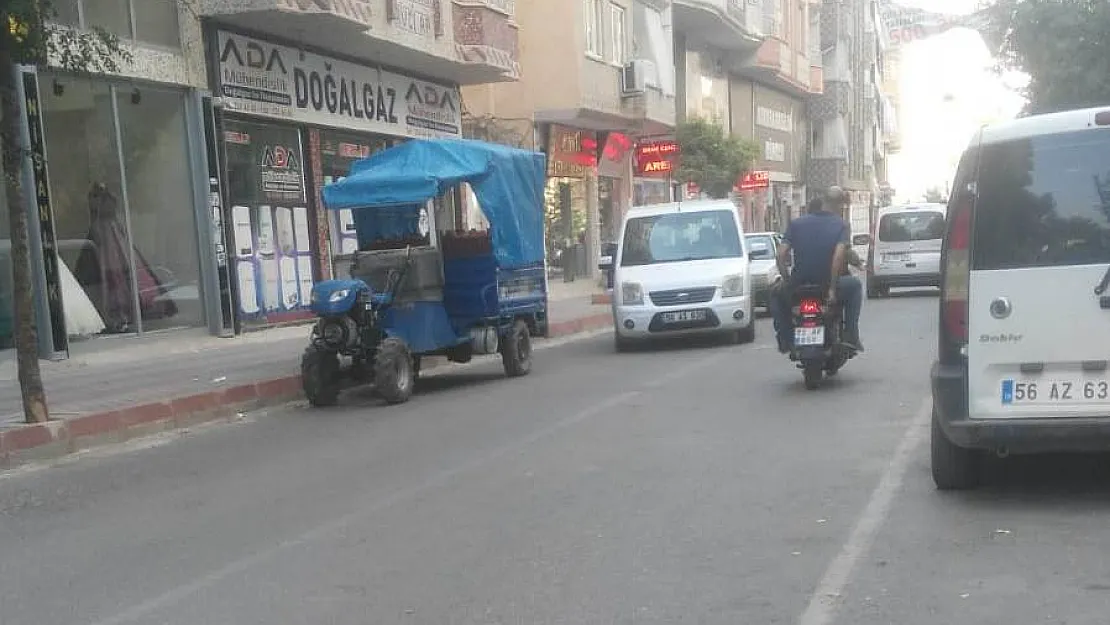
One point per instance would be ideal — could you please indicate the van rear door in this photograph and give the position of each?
(910, 241)
(1038, 335)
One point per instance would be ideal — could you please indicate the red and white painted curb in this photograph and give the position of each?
(53, 439)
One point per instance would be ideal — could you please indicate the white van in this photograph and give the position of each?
(681, 268)
(1023, 360)
(906, 249)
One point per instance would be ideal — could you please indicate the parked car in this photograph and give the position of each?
(762, 248)
(1023, 356)
(681, 269)
(906, 249)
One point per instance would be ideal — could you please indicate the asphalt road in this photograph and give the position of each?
(693, 483)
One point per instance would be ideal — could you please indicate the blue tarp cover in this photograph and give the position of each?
(508, 183)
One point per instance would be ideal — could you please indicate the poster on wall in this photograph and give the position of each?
(269, 220)
(262, 78)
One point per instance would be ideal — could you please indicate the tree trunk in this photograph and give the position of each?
(23, 306)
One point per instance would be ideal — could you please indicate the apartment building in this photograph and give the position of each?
(847, 139)
(751, 66)
(184, 190)
(596, 77)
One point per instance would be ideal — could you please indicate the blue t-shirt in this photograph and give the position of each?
(814, 238)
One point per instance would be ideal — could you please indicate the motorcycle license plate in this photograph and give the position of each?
(684, 315)
(809, 336)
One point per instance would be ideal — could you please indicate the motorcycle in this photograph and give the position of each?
(818, 329)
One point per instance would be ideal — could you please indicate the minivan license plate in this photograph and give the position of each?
(1060, 391)
(684, 315)
(809, 336)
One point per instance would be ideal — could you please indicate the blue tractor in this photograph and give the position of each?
(416, 291)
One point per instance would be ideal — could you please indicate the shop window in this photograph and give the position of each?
(160, 199)
(87, 196)
(269, 219)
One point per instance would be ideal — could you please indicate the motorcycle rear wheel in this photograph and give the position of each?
(812, 374)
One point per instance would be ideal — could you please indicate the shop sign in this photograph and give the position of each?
(774, 119)
(419, 17)
(45, 215)
(261, 78)
(570, 152)
(280, 173)
(774, 151)
(656, 158)
(754, 180)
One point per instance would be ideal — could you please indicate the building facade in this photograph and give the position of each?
(184, 191)
(596, 76)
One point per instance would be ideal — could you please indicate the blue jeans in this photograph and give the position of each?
(849, 292)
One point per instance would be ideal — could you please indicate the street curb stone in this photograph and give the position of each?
(45, 441)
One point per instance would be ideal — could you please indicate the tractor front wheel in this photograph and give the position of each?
(394, 371)
(320, 377)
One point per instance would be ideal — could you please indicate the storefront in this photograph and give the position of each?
(780, 130)
(292, 121)
(116, 175)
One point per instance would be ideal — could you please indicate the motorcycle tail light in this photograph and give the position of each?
(810, 307)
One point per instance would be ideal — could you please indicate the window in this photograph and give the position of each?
(593, 20)
(911, 226)
(681, 237)
(1043, 202)
(148, 21)
(616, 18)
(761, 247)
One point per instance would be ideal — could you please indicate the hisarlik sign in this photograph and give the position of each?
(260, 78)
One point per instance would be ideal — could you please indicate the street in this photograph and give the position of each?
(692, 483)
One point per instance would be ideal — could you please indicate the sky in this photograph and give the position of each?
(949, 89)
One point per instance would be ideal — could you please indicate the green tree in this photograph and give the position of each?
(711, 158)
(1062, 45)
(29, 37)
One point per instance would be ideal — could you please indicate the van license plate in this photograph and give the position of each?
(1060, 391)
(896, 257)
(684, 315)
(809, 336)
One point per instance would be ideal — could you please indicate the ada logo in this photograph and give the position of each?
(279, 157)
(431, 97)
(256, 57)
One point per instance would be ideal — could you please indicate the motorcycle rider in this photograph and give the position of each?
(820, 241)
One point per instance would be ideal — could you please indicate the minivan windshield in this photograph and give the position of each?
(675, 237)
(1044, 202)
(760, 246)
(911, 226)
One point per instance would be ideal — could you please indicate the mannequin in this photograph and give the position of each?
(105, 270)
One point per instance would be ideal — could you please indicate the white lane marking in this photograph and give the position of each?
(241, 565)
(825, 601)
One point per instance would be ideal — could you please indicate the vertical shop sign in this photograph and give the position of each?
(45, 215)
(216, 212)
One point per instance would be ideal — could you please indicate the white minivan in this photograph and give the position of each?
(1023, 363)
(906, 248)
(681, 268)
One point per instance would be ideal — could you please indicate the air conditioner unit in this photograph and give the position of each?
(634, 77)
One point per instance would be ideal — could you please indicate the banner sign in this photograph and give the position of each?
(903, 25)
(656, 158)
(260, 78)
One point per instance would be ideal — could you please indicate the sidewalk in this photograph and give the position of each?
(114, 389)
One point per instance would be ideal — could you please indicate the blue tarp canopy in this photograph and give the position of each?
(508, 183)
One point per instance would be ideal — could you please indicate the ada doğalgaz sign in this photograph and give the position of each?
(260, 78)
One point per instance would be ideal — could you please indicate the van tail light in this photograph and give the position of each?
(957, 275)
(810, 307)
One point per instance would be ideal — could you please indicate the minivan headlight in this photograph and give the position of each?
(632, 294)
(733, 286)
